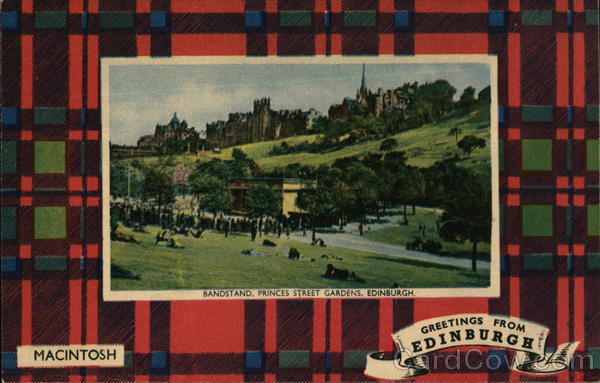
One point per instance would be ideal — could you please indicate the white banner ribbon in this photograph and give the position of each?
(525, 337)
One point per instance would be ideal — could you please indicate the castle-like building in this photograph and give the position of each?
(262, 124)
(174, 137)
(379, 104)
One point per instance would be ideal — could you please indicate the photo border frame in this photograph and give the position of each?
(492, 291)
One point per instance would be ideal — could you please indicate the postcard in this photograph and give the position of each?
(300, 190)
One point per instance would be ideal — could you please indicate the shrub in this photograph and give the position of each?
(429, 246)
(416, 244)
(388, 145)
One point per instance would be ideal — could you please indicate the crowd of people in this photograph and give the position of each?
(137, 215)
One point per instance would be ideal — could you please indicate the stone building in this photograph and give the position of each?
(174, 137)
(262, 124)
(145, 141)
(340, 111)
(378, 103)
(384, 101)
(176, 134)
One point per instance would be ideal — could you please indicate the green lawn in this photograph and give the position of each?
(216, 262)
(401, 234)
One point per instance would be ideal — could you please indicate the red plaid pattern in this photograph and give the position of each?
(554, 65)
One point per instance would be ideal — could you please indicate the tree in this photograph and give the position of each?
(126, 179)
(408, 186)
(432, 100)
(362, 184)
(209, 185)
(332, 179)
(373, 161)
(443, 93)
(395, 120)
(358, 110)
(215, 167)
(417, 187)
(440, 179)
(216, 199)
(320, 125)
(388, 145)
(239, 167)
(182, 189)
(159, 186)
(264, 200)
(467, 215)
(355, 136)
(467, 98)
(470, 143)
(335, 130)
(369, 126)
(394, 160)
(211, 192)
(317, 202)
(293, 170)
(485, 94)
(393, 164)
(455, 131)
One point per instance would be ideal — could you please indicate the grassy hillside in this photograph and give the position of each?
(424, 146)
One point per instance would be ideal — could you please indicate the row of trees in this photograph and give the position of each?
(355, 187)
(208, 184)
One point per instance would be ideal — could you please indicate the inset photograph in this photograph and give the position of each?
(308, 175)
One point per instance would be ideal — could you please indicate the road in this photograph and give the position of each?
(350, 239)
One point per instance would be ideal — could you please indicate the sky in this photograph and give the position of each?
(140, 96)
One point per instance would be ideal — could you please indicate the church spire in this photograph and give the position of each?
(363, 81)
(175, 120)
(363, 93)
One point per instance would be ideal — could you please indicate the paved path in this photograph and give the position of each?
(389, 220)
(351, 240)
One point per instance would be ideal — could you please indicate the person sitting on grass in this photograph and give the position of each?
(295, 255)
(266, 242)
(174, 242)
(161, 236)
(118, 236)
(334, 273)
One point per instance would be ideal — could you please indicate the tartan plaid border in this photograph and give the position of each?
(548, 57)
